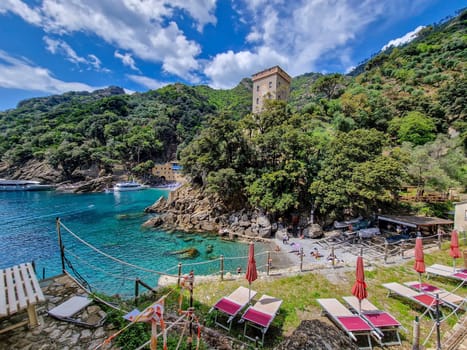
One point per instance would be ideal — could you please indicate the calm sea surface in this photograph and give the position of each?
(112, 223)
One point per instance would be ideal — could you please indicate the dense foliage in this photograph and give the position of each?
(342, 145)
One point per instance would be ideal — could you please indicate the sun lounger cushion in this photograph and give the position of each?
(354, 323)
(70, 307)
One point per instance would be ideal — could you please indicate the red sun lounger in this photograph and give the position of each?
(451, 300)
(421, 299)
(447, 272)
(261, 315)
(385, 325)
(355, 326)
(232, 304)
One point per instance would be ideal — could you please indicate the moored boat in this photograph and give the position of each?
(128, 186)
(23, 185)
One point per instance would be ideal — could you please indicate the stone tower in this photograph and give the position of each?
(272, 83)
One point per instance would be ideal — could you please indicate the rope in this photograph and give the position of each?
(100, 269)
(114, 258)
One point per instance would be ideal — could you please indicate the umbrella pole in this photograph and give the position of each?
(359, 306)
(249, 293)
(454, 264)
(420, 280)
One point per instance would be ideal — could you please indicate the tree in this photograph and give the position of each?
(331, 86)
(414, 127)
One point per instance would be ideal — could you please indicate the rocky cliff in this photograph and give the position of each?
(188, 209)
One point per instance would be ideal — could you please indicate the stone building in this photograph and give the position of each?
(170, 172)
(272, 83)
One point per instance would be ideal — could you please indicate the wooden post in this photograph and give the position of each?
(333, 257)
(402, 249)
(179, 274)
(222, 267)
(136, 290)
(440, 237)
(301, 259)
(190, 337)
(60, 243)
(438, 334)
(416, 334)
(269, 263)
(386, 252)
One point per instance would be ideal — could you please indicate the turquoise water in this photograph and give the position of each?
(112, 223)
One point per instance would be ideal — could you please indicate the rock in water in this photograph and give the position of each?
(188, 253)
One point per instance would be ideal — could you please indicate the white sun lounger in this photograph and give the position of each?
(450, 299)
(383, 322)
(261, 315)
(447, 272)
(421, 299)
(232, 304)
(355, 326)
(71, 307)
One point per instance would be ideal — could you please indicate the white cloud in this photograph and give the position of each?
(298, 34)
(403, 39)
(127, 60)
(19, 73)
(146, 81)
(62, 48)
(227, 69)
(142, 28)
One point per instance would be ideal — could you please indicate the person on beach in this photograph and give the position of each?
(316, 254)
(285, 238)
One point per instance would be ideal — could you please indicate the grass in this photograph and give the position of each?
(299, 295)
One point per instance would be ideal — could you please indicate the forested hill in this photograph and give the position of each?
(343, 143)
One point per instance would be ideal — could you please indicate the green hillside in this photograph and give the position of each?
(342, 144)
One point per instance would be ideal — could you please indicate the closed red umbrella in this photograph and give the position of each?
(454, 248)
(419, 265)
(251, 273)
(359, 287)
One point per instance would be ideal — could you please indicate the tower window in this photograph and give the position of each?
(257, 87)
(270, 84)
(257, 100)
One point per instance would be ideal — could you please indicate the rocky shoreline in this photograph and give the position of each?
(188, 209)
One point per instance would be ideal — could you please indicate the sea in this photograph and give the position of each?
(105, 245)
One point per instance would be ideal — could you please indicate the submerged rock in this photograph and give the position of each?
(188, 253)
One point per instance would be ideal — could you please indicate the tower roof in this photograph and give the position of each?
(271, 71)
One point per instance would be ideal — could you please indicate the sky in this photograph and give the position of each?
(53, 46)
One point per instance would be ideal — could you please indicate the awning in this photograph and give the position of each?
(415, 221)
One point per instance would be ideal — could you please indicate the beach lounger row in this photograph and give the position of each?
(447, 272)
(370, 323)
(259, 316)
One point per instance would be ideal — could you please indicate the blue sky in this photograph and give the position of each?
(53, 46)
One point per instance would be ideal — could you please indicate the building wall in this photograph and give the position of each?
(460, 217)
(272, 83)
(171, 171)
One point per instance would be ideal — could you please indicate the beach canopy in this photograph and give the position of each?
(454, 248)
(359, 287)
(251, 273)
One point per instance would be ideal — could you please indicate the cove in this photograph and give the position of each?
(111, 222)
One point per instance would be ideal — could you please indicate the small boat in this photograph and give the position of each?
(128, 186)
(23, 185)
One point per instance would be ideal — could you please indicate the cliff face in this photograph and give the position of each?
(187, 209)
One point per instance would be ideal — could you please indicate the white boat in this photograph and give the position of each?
(23, 185)
(128, 186)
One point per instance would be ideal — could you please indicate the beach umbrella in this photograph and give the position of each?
(454, 248)
(359, 287)
(419, 258)
(251, 273)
